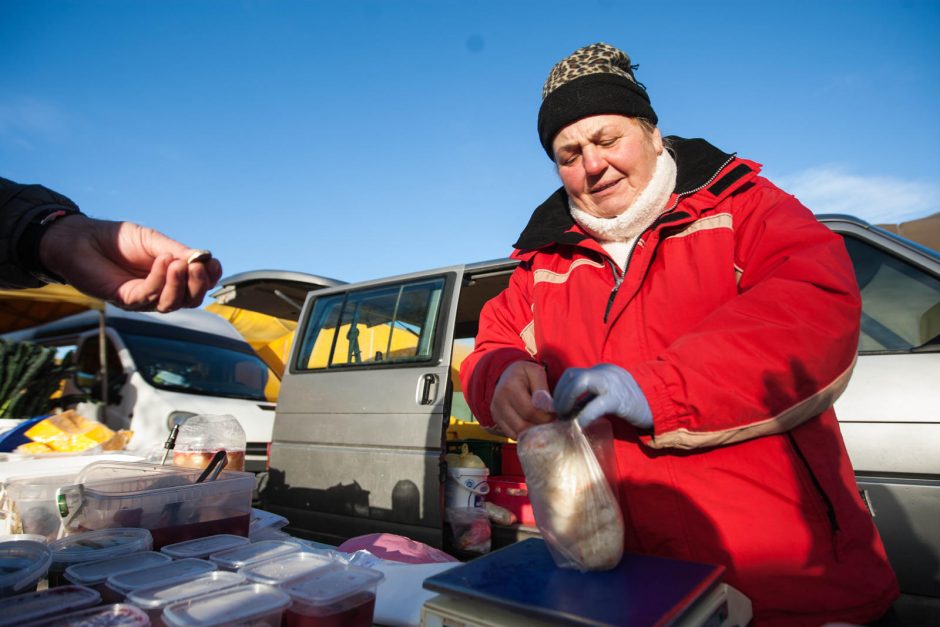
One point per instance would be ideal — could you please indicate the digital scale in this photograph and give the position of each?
(520, 585)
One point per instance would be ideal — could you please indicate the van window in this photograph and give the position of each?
(89, 358)
(197, 368)
(900, 303)
(393, 323)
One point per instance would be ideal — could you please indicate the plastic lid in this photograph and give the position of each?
(233, 559)
(277, 571)
(92, 573)
(240, 604)
(157, 597)
(171, 572)
(14, 537)
(22, 562)
(332, 584)
(208, 432)
(466, 459)
(99, 545)
(114, 615)
(31, 606)
(204, 547)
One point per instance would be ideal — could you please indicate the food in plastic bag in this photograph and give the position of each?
(575, 508)
(500, 515)
(471, 527)
(69, 432)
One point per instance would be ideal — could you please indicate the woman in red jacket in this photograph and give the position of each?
(714, 322)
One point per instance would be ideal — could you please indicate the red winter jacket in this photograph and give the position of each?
(738, 316)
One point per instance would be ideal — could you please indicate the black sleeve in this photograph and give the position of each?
(21, 205)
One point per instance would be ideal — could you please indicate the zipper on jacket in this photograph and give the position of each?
(830, 510)
(618, 277)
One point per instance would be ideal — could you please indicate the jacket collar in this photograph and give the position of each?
(698, 164)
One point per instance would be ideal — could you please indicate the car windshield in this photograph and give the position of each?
(198, 367)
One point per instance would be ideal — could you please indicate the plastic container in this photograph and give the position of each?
(466, 484)
(242, 556)
(32, 506)
(154, 599)
(172, 572)
(34, 606)
(95, 574)
(202, 435)
(14, 537)
(163, 499)
(336, 596)
(278, 571)
(204, 547)
(254, 604)
(114, 615)
(511, 492)
(22, 564)
(94, 546)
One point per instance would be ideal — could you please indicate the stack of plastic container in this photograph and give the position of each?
(95, 546)
(22, 564)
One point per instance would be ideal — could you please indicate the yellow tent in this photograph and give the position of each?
(21, 309)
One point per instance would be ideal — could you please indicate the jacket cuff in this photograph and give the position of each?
(485, 376)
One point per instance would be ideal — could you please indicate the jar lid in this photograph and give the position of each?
(159, 596)
(31, 606)
(240, 604)
(277, 571)
(332, 584)
(98, 545)
(204, 547)
(92, 573)
(171, 572)
(233, 559)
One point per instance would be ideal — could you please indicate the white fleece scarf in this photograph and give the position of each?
(618, 234)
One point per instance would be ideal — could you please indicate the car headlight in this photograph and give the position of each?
(177, 418)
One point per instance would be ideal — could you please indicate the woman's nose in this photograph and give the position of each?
(593, 161)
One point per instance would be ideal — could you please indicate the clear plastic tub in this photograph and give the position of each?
(34, 606)
(336, 596)
(253, 604)
(95, 574)
(200, 436)
(171, 572)
(167, 500)
(278, 571)
(114, 615)
(154, 599)
(32, 506)
(22, 564)
(94, 546)
(204, 547)
(242, 556)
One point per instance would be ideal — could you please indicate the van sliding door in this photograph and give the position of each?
(361, 413)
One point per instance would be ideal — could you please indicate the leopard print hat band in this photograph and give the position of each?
(593, 80)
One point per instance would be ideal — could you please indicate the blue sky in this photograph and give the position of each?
(361, 139)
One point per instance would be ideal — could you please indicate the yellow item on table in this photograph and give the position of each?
(69, 432)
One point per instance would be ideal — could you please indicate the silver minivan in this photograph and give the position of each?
(365, 403)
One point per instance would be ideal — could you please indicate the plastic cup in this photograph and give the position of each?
(95, 574)
(204, 547)
(154, 599)
(33, 606)
(253, 604)
(22, 564)
(336, 596)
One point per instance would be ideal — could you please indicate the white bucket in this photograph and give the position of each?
(467, 487)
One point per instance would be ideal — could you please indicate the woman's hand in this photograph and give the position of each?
(521, 398)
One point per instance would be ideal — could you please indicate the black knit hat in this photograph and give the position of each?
(593, 80)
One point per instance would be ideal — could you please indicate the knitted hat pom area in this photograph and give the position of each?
(594, 80)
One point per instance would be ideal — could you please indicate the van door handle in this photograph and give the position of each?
(427, 387)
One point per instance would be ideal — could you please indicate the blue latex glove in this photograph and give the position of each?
(607, 389)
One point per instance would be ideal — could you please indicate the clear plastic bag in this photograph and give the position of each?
(471, 527)
(575, 508)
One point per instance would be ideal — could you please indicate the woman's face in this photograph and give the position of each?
(605, 161)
